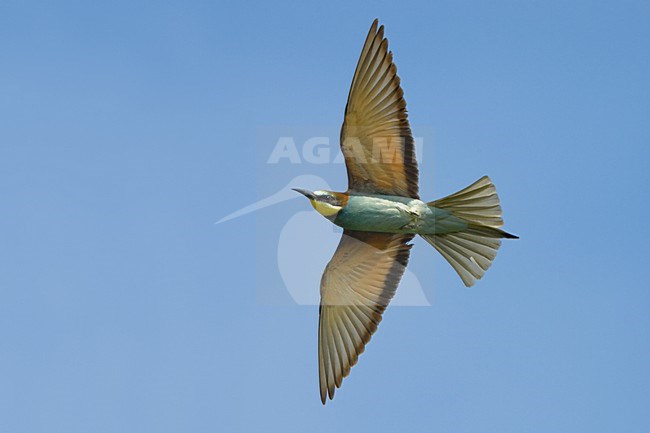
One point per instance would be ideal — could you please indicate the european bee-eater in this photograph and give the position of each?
(381, 212)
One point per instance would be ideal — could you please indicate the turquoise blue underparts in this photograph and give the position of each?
(394, 214)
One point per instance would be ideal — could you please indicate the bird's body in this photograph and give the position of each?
(381, 212)
(395, 214)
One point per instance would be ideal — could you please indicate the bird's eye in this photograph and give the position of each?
(329, 199)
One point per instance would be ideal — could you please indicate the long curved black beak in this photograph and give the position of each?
(310, 195)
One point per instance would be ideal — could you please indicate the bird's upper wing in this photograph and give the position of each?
(376, 137)
(356, 287)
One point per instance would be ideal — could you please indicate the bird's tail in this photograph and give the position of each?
(471, 251)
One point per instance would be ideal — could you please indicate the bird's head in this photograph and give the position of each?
(326, 203)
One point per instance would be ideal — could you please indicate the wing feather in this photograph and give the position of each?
(376, 138)
(357, 285)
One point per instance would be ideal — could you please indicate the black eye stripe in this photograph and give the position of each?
(328, 199)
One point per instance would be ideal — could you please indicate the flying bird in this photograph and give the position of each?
(381, 212)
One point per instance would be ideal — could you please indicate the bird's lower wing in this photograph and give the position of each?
(356, 287)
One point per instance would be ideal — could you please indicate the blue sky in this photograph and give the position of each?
(127, 129)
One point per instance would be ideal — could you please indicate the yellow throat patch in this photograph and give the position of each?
(324, 209)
